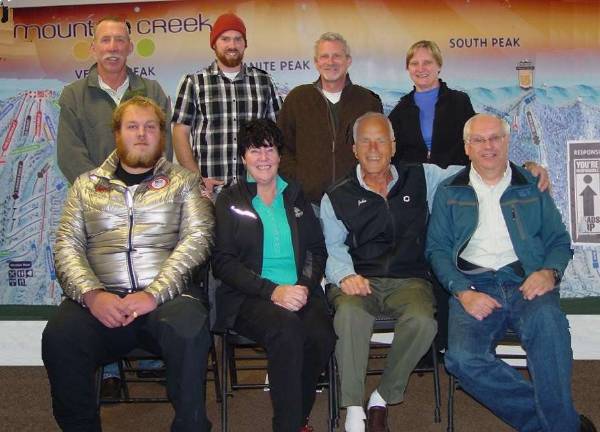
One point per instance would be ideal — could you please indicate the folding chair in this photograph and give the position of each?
(128, 371)
(230, 367)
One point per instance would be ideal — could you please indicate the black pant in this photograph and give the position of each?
(298, 346)
(75, 344)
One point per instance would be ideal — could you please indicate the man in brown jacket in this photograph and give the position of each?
(316, 120)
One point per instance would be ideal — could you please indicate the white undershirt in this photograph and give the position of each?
(333, 97)
(231, 75)
(490, 246)
(117, 94)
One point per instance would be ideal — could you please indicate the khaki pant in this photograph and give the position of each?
(411, 301)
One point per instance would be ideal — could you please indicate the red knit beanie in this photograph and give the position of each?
(228, 21)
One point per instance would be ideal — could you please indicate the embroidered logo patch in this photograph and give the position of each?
(298, 212)
(406, 198)
(361, 202)
(159, 183)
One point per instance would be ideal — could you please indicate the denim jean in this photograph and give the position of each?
(545, 402)
(111, 370)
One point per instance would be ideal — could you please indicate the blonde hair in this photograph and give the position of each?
(142, 102)
(430, 45)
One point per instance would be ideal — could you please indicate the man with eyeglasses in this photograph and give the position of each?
(374, 222)
(498, 244)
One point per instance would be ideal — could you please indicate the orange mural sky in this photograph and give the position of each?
(483, 36)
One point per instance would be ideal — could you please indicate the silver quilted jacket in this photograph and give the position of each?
(152, 239)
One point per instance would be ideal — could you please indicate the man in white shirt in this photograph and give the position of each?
(317, 119)
(499, 246)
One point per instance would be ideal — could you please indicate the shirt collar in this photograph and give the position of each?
(214, 70)
(390, 185)
(117, 94)
(280, 184)
(476, 179)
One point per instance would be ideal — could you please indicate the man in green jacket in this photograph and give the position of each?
(85, 138)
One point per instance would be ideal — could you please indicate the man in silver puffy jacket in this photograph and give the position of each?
(133, 233)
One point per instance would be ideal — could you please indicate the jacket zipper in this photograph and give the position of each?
(333, 131)
(129, 200)
(391, 216)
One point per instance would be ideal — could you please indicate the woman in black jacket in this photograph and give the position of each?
(270, 257)
(428, 122)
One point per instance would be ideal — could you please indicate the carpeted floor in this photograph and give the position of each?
(25, 406)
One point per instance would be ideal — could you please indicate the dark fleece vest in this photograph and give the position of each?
(386, 237)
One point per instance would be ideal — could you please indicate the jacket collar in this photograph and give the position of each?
(462, 178)
(137, 86)
(249, 189)
(319, 85)
(109, 166)
(442, 93)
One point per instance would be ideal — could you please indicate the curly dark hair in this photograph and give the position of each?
(259, 133)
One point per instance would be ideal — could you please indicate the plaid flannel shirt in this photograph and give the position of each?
(215, 106)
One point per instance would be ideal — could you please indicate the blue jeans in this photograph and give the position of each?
(111, 370)
(545, 402)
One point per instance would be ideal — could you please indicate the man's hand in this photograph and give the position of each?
(355, 285)
(209, 184)
(537, 284)
(138, 304)
(290, 297)
(541, 173)
(106, 307)
(478, 305)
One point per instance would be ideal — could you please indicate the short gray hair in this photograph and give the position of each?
(368, 115)
(332, 37)
(467, 127)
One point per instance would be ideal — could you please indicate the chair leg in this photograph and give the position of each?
(215, 370)
(334, 408)
(99, 374)
(224, 390)
(124, 386)
(232, 366)
(436, 384)
(451, 389)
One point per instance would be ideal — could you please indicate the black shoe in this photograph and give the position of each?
(110, 389)
(586, 425)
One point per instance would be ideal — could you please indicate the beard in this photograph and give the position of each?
(139, 160)
(230, 61)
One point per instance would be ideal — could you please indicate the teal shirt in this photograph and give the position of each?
(279, 264)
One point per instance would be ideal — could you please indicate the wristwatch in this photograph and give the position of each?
(557, 275)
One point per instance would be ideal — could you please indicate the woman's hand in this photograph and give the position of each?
(290, 297)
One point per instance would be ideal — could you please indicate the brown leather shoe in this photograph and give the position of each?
(377, 419)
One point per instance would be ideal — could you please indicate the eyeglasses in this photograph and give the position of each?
(479, 140)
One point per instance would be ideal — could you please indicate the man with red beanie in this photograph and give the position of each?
(212, 105)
